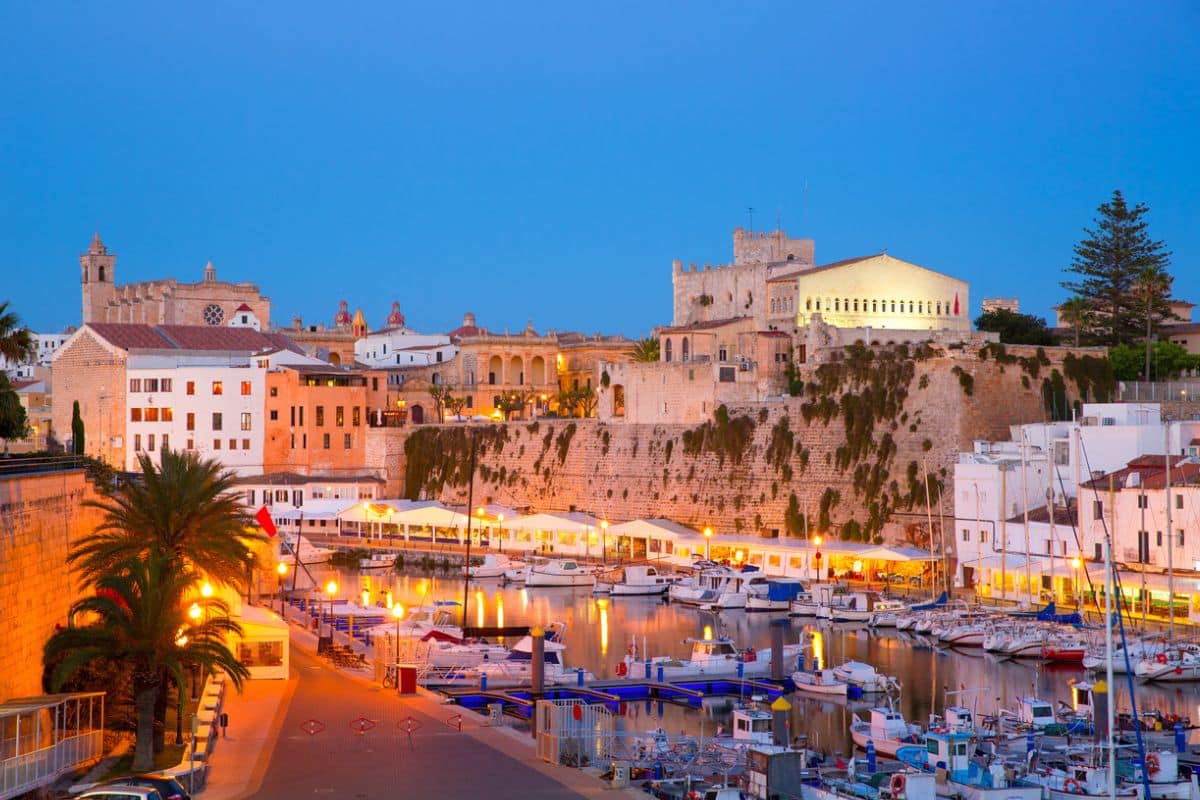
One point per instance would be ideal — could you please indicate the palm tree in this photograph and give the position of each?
(16, 344)
(185, 509)
(647, 350)
(1077, 313)
(137, 617)
(1150, 284)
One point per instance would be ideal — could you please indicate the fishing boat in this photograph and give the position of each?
(1163, 775)
(949, 750)
(865, 677)
(710, 657)
(850, 607)
(1079, 781)
(779, 594)
(309, 553)
(849, 784)
(633, 581)
(886, 613)
(555, 573)
(494, 565)
(887, 730)
(1031, 713)
(819, 681)
(378, 561)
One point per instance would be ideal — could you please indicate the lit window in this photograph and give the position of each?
(151, 415)
(356, 416)
(216, 444)
(245, 420)
(320, 416)
(217, 388)
(135, 415)
(245, 387)
(245, 444)
(191, 422)
(191, 387)
(274, 391)
(168, 414)
(339, 416)
(165, 383)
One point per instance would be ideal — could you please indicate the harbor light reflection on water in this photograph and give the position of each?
(600, 630)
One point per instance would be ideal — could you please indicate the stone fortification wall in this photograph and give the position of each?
(848, 455)
(41, 516)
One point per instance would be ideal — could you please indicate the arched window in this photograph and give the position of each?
(808, 304)
(939, 308)
(910, 306)
(684, 349)
(921, 307)
(856, 304)
(874, 306)
(667, 351)
(845, 304)
(818, 304)
(893, 306)
(102, 274)
(837, 304)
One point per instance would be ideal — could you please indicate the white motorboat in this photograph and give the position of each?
(419, 621)
(557, 573)
(887, 729)
(709, 657)
(1032, 713)
(1162, 770)
(779, 594)
(1137, 651)
(1079, 782)
(816, 596)
(752, 725)
(494, 565)
(378, 561)
(865, 677)
(1176, 665)
(821, 681)
(632, 581)
(309, 553)
(719, 587)
(967, 634)
(515, 669)
(850, 607)
(886, 613)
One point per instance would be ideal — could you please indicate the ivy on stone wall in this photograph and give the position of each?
(723, 436)
(438, 455)
(1092, 376)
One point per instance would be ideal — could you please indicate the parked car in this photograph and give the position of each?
(121, 791)
(168, 785)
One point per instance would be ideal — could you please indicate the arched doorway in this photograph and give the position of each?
(516, 371)
(418, 415)
(537, 371)
(495, 366)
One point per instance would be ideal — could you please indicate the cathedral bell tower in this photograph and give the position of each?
(97, 269)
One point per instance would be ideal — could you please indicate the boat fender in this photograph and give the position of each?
(693, 795)
(1161, 658)
(622, 669)
(897, 785)
(1152, 764)
(1071, 786)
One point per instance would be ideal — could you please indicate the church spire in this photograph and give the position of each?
(97, 247)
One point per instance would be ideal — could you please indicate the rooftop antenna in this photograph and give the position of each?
(750, 210)
(779, 218)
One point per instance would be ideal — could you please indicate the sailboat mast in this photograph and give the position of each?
(1025, 502)
(1170, 538)
(1108, 641)
(1050, 507)
(1003, 531)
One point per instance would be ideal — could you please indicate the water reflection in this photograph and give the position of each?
(599, 631)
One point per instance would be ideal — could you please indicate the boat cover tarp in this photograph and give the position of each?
(780, 591)
(941, 600)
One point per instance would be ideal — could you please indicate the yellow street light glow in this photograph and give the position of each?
(500, 517)
(366, 597)
(331, 588)
(708, 533)
(479, 512)
(206, 590)
(1076, 562)
(281, 568)
(604, 524)
(817, 540)
(398, 611)
(181, 640)
(194, 612)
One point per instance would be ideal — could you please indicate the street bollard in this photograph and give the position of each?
(483, 682)
(661, 673)
(579, 677)
(741, 670)
(870, 756)
(647, 669)
(1180, 738)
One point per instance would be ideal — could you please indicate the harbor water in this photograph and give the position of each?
(600, 630)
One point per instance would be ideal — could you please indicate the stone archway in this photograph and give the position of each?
(537, 371)
(418, 415)
(495, 370)
(516, 371)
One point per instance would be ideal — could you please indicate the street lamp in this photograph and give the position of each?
(480, 512)
(817, 555)
(1076, 563)
(604, 541)
(707, 542)
(331, 589)
(206, 590)
(281, 571)
(500, 521)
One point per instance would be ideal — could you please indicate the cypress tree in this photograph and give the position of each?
(77, 432)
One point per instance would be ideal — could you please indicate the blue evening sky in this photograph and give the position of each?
(547, 161)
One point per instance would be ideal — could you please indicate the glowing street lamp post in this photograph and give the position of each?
(500, 522)
(398, 614)
(281, 571)
(707, 541)
(330, 590)
(604, 541)
(1076, 563)
(817, 555)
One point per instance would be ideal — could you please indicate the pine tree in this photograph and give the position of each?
(1109, 261)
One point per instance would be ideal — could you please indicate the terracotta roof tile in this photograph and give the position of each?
(191, 337)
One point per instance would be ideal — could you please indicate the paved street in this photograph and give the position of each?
(440, 762)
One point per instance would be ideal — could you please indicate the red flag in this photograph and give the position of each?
(956, 304)
(265, 522)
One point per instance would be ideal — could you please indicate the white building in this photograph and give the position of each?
(1001, 485)
(401, 347)
(210, 402)
(44, 347)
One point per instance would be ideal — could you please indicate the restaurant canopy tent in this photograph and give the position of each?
(648, 538)
(45, 737)
(572, 532)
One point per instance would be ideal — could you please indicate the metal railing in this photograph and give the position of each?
(18, 465)
(1181, 391)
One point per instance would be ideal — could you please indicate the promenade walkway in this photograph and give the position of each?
(330, 733)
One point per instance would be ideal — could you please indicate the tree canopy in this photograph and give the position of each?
(1015, 328)
(1120, 275)
(646, 350)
